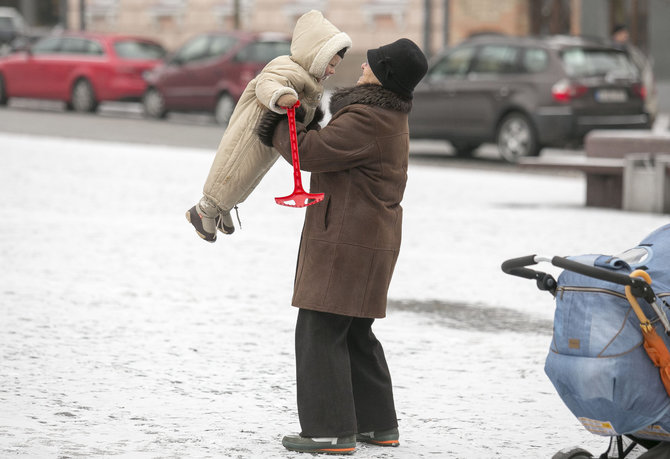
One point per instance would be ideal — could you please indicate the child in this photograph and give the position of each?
(242, 160)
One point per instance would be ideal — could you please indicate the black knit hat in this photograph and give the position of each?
(399, 66)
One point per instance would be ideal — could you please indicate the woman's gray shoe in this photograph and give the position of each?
(382, 438)
(325, 445)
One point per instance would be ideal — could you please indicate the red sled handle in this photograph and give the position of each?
(299, 197)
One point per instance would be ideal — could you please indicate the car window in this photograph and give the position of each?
(263, 51)
(47, 46)
(94, 48)
(221, 45)
(73, 45)
(456, 63)
(535, 60)
(133, 49)
(6, 23)
(583, 62)
(193, 50)
(496, 59)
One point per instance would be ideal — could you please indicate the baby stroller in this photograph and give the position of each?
(609, 358)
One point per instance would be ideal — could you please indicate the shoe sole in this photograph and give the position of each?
(392, 443)
(344, 450)
(333, 451)
(205, 238)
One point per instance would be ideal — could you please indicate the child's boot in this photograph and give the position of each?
(225, 222)
(204, 216)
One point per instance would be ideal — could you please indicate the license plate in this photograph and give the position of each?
(611, 95)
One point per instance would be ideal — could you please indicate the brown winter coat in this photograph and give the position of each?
(350, 241)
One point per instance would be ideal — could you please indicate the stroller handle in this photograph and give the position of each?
(592, 271)
(517, 267)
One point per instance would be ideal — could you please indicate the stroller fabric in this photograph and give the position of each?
(596, 361)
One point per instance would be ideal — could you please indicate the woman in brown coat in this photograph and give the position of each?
(349, 247)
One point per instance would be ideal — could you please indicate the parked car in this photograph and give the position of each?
(12, 26)
(81, 69)
(527, 93)
(209, 73)
(645, 66)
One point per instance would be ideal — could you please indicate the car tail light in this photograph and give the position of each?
(640, 91)
(564, 91)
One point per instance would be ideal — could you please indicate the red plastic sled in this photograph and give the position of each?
(299, 197)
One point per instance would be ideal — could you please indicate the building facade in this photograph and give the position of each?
(433, 24)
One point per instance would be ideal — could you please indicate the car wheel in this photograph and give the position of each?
(82, 98)
(153, 103)
(464, 150)
(3, 92)
(516, 138)
(224, 109)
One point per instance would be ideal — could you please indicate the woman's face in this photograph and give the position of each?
(367, 77)
(330, 69)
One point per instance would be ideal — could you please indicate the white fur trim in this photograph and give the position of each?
(275, 97)
(326, 53)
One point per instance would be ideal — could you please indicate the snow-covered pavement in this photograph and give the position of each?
(123, 334)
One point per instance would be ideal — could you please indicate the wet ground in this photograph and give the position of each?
(481, 318)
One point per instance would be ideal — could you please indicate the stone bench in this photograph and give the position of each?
(604, 162)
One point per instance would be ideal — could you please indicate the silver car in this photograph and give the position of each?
(527, 93)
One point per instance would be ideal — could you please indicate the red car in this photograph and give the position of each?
(210, 71)
(81, 69)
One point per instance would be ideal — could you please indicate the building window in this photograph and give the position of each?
(229, 18)
(376, 11)
(293, 10)
(164, 12)
(102, 10)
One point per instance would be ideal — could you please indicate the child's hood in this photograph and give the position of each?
(315, 42)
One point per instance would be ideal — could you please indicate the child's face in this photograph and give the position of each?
(330, 69)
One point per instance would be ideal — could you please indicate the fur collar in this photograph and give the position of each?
(369, 94)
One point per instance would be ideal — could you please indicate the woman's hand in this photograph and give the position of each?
(266, 126)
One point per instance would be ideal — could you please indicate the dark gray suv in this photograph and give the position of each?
(527, 93)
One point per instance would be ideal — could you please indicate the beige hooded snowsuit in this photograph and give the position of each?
(242, 160)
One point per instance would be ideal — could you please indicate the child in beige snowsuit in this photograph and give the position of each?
(241, 160)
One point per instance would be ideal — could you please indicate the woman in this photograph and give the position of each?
(349, 247)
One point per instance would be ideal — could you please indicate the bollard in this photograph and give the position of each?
(646, 183)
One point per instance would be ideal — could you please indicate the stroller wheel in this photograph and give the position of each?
(572, 453)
